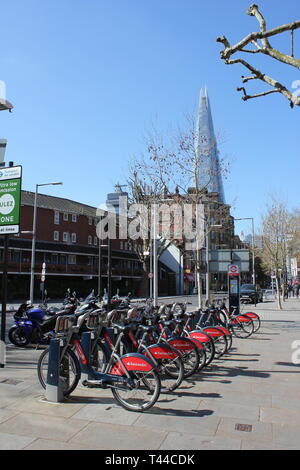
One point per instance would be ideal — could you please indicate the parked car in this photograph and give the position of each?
(251, 294)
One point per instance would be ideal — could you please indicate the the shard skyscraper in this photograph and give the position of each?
(209, 168)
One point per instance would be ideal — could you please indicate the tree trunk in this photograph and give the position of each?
(278, 293)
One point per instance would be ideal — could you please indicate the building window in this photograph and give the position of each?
(90, 239)
(65, 237)
(72, 259)
(56, 236)
(56, 217)
(74, 218)
(54, 259)
(121, 245)
(95, 241)
(73, 238)
(90, 221)
(66, 217)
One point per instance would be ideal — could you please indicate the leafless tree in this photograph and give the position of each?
(146, 193)
(170, 170)
(278, 229)
(259, 43)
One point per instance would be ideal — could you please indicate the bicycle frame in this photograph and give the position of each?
(120, 365)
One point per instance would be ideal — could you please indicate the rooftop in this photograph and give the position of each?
(58, 204)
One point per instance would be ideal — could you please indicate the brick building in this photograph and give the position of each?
(68, 244)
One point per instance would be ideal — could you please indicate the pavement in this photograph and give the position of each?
(247, 400)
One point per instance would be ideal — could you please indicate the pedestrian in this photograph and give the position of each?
(296, 289)
(290, 290)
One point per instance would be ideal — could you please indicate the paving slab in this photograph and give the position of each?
(48, 444)
(181, 441)
(285, 435)
(14, 441)
(245, 400)
(200, 421)
(38, 425)
(38, 405)
(280, 416)
(261, 432)
(111, 436)
(106, 413)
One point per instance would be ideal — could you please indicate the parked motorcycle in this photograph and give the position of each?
(34, 325)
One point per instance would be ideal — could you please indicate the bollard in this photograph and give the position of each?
(54, 386)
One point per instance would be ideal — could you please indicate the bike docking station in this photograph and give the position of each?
(57, 374)
(234, 288)
(86, 341)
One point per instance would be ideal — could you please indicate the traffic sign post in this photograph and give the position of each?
(234, 288)
(10, 203)
(10, 199)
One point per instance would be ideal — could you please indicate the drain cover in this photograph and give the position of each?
(243, 427)
(10, 381)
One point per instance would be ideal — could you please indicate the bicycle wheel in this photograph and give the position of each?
(171, 372)
(69, 370)
(207, 342)
(189, 354)
(99, 356)
(256, 320)
(219, 339)
(221, 346)
(242, 329)
(228, 337)
(142, 394)
(210, 351)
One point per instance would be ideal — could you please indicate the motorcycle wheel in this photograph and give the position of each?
(17, 336)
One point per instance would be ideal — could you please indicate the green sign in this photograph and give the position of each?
(10, 199)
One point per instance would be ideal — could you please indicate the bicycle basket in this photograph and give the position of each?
(63, 324)
(113, 316)
(95, 319)
(166, 311)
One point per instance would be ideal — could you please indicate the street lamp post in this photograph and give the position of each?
(253, 254)
(108, 246)
(207, 232)
(34, 237)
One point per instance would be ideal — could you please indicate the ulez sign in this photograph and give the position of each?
(10, 199)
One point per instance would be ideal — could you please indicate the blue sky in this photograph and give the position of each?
(88, 77)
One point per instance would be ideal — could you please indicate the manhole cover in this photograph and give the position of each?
(10, 381)
(243, 427)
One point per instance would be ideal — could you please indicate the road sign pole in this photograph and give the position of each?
(4, 303)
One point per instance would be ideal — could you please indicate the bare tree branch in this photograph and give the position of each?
(265, 48)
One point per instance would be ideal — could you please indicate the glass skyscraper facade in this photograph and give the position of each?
(209, 167)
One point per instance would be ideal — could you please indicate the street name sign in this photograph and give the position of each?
(10, 199)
